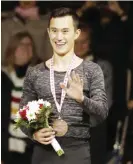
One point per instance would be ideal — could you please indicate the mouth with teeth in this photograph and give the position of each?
(60, 45)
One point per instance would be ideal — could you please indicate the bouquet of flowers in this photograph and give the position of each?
(35, 115)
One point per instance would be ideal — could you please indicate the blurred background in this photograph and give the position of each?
(106, 38)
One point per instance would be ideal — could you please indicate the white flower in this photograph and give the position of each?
(18, 117)
(40, 101)
(33, 107)
(30, 115)
(47, 104)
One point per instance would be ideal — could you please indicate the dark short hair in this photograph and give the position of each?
(85, 27)
(63, 11)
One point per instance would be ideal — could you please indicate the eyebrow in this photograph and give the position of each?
(53, 28)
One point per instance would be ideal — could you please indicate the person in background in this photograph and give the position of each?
(20, 53)
(83, 49)
(26, 17)
(128, 148)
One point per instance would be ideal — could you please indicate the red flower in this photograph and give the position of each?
(26, 108)
(40, 106)
(23, 114)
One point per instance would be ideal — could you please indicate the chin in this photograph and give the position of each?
(79, 55)
(61, 53)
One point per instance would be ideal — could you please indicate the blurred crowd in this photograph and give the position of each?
(106, 38)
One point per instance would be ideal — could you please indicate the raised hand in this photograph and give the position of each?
(114, 6)
(74, 88)
(86, 5)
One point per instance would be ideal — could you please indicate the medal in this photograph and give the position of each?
(59, 125)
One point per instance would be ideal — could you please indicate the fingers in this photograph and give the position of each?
(81, 82)
(76, 78)
(44, 135)
(46, 143)
(69, 80)
(47, 140)
(44, 130)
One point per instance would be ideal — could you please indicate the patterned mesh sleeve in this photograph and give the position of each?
(96, 106)
(108, 78)
(28, 95)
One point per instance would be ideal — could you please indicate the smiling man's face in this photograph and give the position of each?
(62, 35)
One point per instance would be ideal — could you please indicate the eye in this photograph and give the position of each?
(54, 30)
(65, 31)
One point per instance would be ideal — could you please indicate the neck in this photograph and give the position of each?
(63, 61)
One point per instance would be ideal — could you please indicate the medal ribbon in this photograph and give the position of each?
(52, 82)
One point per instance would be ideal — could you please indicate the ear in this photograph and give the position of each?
(48, 31)
(77, 33)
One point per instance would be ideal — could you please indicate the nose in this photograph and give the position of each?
(59, 36)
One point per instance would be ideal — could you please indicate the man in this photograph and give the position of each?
(85, 94)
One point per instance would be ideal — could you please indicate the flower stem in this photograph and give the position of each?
(46, 123)
(57, 147)
(60, 152)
